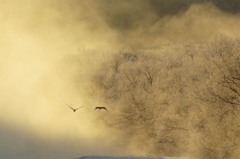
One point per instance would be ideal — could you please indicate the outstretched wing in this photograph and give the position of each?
(101, 108)
(105, 108)
(70, 107)
(79, 107)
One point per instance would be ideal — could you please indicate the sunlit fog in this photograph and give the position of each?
(165, 74)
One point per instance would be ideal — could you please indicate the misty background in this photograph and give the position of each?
(90, 53)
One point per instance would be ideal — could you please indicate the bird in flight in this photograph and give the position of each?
(101, 108)
(74, 109)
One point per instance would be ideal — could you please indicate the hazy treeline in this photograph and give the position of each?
(177, 100)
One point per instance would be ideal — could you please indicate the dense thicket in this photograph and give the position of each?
(183, 100)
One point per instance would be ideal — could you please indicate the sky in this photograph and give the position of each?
(50, 48)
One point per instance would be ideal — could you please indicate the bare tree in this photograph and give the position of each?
(144, 78)
(221, 97)
(182, 106)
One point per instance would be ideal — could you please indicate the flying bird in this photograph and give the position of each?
(74, 109)
(101, 108)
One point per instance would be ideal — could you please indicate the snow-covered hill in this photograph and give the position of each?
(118, 157)
(131, 157)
